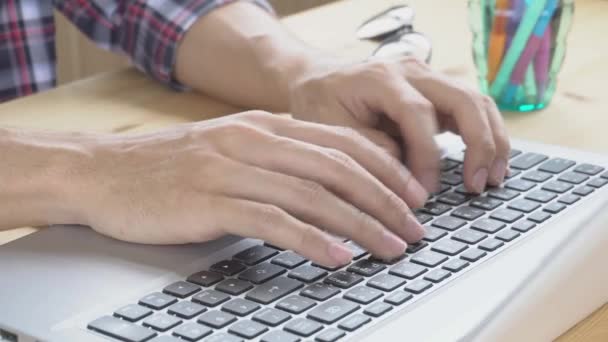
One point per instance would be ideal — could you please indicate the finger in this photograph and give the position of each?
(334, 170)
(382, 140)
(415, 116)
(500, 164)
(469, 113)
(274, 225)
(311, 203)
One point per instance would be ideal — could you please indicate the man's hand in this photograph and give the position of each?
(419, 102)
(254, 174)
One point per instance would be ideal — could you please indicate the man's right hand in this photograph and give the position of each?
(285, 181)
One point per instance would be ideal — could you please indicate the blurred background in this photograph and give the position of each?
(79, 58)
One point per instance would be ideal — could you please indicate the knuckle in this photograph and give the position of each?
(487, 147)
(341, 159)
(311, 192)
(269, 217)
(365, 224)
(390, 200)
(421, 106)
(306, 237)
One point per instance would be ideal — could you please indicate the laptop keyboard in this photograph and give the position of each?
(267, 294)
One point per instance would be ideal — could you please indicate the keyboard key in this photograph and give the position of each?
(319, 291)
(512, 173)
(157, 300)
(366, 267)
(524, 205)
(485, 203)
(514, 153)
(273, 246)
(289, 260)
(240, 307)
(398, 298)
(468, 213)
(407, 270)
(210, 298)
(418, 286)
(573, 177)
(507, 235)
(191, 331)
(506, 215)
(449, 247)
(527, 160)
(451, 179)
(538, 217)
(554, 208)
(332, 310)
(328, 268)
(330, 335)
(216, 319)
(132, 312)
(605, 175)
(557, 186)
(597, 182)
(468, 236)
(537, 176)
(295, 304)
(385, 282)
(434, 208)
(261, 273)
(461, 189)
(377, 309)
(556, 165)
(457, 157)
(502, 194)
(121, 329)
(248, 329)
(433, 234)
(223, 337)
(205, 278)
(491, 245)
(520, 185)
(472, 255)
(357, 251)
(523, 226)
(343, 279)
(354, 322)
(442, 188)
(273, 290)
(271, 317)
(455, 265)
(589, 169)
(280, 336)
(449, 222)
(422, 217)
(415, 247)
(437, 276)
(453, 198)
(429, 259)
(362, 294)
(569, 199)
(233, 286)
(181, 289)
(308, 273)
(228, 267)
(186, 309)
(541, 196)
(255, 255)
(583, 190)
(487, 225)
(161, 322)
(303, 327)
(389, 262)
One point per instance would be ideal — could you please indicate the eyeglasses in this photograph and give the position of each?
(394, 29)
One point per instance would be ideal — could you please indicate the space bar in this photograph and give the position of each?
(120, 329)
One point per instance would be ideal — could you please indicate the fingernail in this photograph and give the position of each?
(497, 175)
(419, 194)
(480, 180)
(339, 253)
(394, 245)
(415, 230)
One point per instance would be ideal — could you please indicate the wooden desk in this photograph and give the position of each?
(127, 101)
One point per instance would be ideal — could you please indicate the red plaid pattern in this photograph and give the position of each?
(147, 31)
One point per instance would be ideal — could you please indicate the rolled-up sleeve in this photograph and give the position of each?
(147, 31)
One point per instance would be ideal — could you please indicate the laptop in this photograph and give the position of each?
(525, 261)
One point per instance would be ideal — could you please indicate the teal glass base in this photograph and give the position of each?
(524, 108)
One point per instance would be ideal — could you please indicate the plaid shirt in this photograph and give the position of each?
(147, 31)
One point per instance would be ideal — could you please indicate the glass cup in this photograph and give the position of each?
(518, 49)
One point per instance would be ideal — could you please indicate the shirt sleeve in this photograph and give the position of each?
(147, 31)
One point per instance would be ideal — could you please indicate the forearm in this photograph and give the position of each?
(244, 56)
(38, 175)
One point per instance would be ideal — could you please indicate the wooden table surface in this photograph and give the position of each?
(127, 101)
